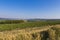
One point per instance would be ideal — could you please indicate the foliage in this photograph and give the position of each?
(11, 21)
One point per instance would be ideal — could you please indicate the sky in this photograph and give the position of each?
(26, 9)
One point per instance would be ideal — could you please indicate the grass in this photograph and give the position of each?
(25, 34)
(4, 27)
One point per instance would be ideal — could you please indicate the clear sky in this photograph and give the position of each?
(25, 9)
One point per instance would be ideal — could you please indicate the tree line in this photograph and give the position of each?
(11, 21)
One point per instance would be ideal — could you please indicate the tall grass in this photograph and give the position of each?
(29, 34)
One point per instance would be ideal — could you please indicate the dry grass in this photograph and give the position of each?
(24, 34)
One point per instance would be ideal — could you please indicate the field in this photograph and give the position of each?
(11, 26)
(27, 30)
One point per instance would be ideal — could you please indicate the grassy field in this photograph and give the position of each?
(13, 26)
(26, 30)
(28, 33)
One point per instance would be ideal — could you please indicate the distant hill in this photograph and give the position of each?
(36, 19)
(9, 19)
(43, 19)
(3, 19)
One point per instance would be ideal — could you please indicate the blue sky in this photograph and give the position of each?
(25, 9)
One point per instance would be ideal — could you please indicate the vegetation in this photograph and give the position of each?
(27, 34)
(11, 21)
(20, 24)
(30, 34)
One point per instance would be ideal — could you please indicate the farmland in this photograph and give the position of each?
(9, 25)
(21, 30)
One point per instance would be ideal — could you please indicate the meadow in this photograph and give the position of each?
(28, 30)
(21, 24)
